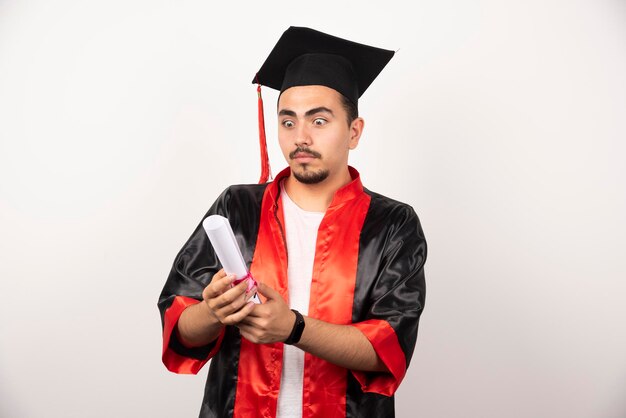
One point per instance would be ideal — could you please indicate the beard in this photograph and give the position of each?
(307, 176)
(310, 177)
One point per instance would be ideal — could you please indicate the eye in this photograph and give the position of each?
(320, 122)
(288, 123)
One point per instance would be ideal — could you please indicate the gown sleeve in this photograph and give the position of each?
(193, 268)
(395, 303)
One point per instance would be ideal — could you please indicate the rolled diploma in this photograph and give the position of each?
(222, 238)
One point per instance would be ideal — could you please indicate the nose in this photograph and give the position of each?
(303, 137)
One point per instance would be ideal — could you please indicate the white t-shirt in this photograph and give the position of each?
(301, 230)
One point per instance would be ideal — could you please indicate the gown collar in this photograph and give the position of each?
(342, 195)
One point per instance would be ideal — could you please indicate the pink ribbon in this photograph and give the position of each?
(251, 281)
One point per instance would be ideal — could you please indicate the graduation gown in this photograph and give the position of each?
(368, 273)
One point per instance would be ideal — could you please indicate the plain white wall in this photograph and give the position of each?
(501, 122)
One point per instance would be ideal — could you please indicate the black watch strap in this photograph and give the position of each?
(298, 327)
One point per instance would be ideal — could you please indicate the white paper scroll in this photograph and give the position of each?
(222, 238)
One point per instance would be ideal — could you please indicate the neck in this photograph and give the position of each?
(316, 197)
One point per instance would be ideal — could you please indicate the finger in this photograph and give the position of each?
(212, 289)
(260, 312)
(218, 285)
(227, 310)
(247, 321)
(219, 275)
(246, 332)
(228, 297)
(239, 315)
(250, 293)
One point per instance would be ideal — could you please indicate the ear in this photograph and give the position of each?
(356, 129)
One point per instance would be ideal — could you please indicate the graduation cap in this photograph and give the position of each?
(305, 57)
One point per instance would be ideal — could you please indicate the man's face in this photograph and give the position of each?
(313, 132)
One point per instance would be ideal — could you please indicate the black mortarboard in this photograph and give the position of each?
(304, 57)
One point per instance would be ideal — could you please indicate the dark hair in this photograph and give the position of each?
(351, 109)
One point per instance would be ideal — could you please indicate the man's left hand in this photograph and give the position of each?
(269, 322)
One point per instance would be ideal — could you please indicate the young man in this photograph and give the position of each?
(339, 268)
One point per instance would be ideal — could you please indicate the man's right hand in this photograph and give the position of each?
(229, 305)
(201, 323)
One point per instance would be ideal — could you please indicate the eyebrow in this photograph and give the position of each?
(321, 109)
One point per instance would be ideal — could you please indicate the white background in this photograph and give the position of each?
(501, 122)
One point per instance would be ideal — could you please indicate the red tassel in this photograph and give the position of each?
(265, 162)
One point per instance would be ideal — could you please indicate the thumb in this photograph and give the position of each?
(267, 291)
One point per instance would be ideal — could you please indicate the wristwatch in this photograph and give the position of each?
(298, 327)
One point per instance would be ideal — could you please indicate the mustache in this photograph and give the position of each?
(304, 150)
